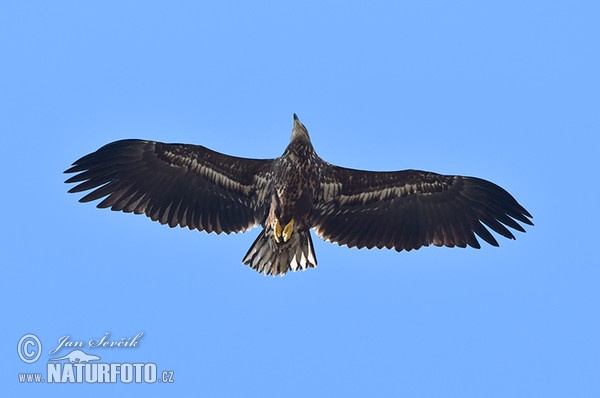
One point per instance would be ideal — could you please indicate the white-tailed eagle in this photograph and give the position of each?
(195, 187)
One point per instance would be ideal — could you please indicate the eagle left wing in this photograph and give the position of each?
(408, 209)
(176, 184)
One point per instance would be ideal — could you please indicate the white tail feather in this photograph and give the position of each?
(271, 258)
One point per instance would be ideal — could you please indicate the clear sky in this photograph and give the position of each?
(507, 91)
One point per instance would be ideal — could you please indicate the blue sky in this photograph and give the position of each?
(507, 91)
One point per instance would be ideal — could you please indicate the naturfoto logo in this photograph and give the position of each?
(79, 366)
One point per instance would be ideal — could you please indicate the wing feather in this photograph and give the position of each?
(175, 184)
(409, 209)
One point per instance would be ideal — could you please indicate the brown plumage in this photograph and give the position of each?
(195, 187)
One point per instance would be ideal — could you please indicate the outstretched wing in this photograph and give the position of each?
(408, 209)
(176, 184)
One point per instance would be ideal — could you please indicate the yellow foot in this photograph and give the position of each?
(276, 226)
(287, 231)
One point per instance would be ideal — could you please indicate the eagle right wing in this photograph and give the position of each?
(408, 209)
(176, 184)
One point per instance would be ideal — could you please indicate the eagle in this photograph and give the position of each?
(195, 187)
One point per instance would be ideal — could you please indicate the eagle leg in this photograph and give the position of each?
(287, 231)
(276, 226)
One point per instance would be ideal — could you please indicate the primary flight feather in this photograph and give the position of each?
(195, 187)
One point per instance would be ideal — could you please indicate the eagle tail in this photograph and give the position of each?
(272, 258)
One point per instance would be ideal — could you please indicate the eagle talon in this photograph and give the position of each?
(276, 225)
(287, 231)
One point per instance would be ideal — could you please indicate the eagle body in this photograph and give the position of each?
(295, 183)
(192, 186)
(285, 242)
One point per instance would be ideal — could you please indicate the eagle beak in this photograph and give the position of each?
(297, 122)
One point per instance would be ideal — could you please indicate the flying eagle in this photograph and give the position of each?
(195, 187)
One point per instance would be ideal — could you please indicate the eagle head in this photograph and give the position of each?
(299, 132)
